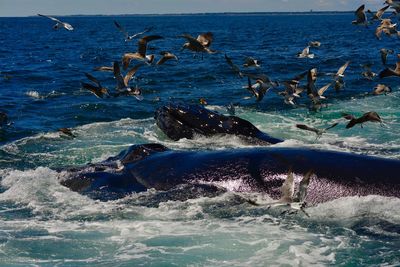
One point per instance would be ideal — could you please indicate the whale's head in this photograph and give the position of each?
(179, 121)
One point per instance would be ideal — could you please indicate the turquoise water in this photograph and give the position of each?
(45, 224)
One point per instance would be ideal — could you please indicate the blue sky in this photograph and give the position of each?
(9, 8)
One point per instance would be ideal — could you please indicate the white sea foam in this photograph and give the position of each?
(229, 233)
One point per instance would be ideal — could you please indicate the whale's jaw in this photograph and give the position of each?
(179, 121)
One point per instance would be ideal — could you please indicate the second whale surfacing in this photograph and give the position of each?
(264, 170)
(179, 121)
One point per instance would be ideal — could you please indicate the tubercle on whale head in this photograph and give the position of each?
(138, 152)
(183, 121)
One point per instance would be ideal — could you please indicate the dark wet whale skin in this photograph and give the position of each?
(179, 121)
(264, 170)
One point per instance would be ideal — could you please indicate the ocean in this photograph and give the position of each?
(43, 223)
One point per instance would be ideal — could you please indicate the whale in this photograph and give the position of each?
(179, 121)
(260, 170)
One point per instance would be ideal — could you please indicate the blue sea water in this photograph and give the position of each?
(45, 224)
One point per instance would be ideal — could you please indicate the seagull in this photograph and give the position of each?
(251, 62)
(123, 87)
(379, 13)
(314, 44)
(339, 82)
(199, 45)
(318, 132)
(287, 188)
(395, 4)
(97, 89)
(368, 73)
(141, 53)
(384, 54)
(322, 90)
(203, 101)
(165, 57)
(305, 53)
(59, 23)
(104, 68)
(231, 109)
(3, 119)
(381, 89)
(303, 186)
(294, 83)
(361, 17)
(259, 89)
(342, 69)
(311, 79)
(126, 34)
(234, 67)
(67, 131)
(369, 116)
(386, 27)
(292, 89)
(388, 72)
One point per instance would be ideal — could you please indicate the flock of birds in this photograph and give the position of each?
(258, 85)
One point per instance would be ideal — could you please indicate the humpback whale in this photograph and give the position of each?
(179, 121)
(319, 175)
(153, 166)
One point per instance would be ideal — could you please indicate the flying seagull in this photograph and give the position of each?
(386, 27)
(368, 73)
(201, 44)
(233, 66)
(251, 62)
(97, 89)
(379, 13)
(314, 44)
(165, 57)
(369, 116)
(339, 82)
(305, 53)
(318, 132)
(388, 72)
(59, 24)
(141, 53)
(381, 89)
(384, 54)
(123, 87)
(361, 17)
(126, 34)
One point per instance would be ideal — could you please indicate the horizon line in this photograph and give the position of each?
(194, 13)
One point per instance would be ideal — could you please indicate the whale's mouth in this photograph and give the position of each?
(179, 121)
(174, 123)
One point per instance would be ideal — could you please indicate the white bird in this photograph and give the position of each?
(59, 23)
(305, 53)
(126, 34)
(287, 189)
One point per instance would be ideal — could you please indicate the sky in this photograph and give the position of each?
(16, 8)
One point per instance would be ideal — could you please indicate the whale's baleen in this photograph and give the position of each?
(179, 121)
